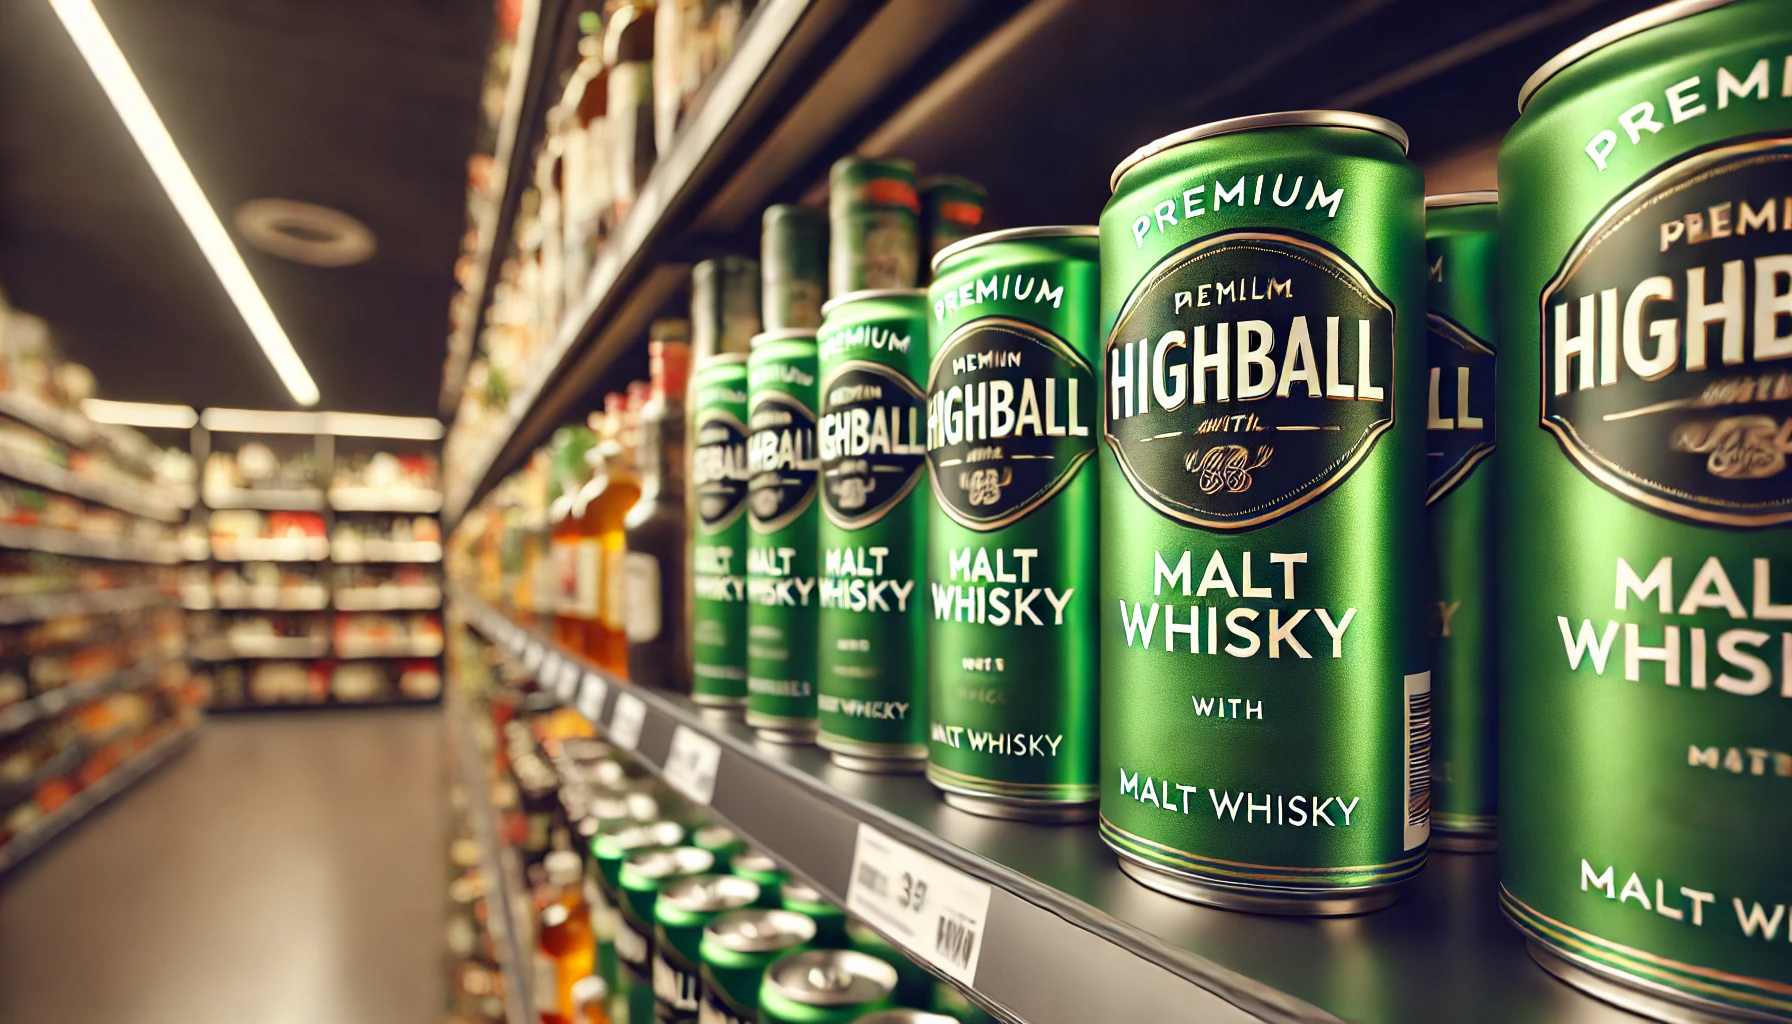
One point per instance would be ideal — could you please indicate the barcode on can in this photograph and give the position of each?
(1418, 759)
(955, 940)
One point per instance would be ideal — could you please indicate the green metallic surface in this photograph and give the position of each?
(1461, 253)
(719, 545)
(677, 941)
(731, 979)
(874, 230)
(782, 561)
(871, 669)
(1680, 790)
(794, 260)
(777, 1007)
(761, 869)
(616, 840)
(1330, 726)
(1012, 706)
(830, 920)
(724, 306)
(720, 840)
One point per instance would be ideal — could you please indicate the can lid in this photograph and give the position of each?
(1014, 235)
(755, 861)
(905, 1017)
(870, 293)
(760, 931)
(637, 836)
(831, 977)
(803, 892)
(1447, 199)
(1608, 35)
(660, 864)
(722, 359)
(787, 334)
(710, 894)
(713, 835)
(1280, 119)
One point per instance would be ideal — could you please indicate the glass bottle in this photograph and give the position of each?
(565, 936)
(588, 205)
(657, 618)
(606, 643)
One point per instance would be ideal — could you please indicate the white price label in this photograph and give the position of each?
(532, 656)
(934, 911)
(591, 696)
(567, 685)
(626, 721)
(691, 764)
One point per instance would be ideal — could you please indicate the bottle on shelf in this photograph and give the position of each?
(565, 938)
(589, 203)
(606, 643)
(628, 52)
(658, 615)
(570, 473)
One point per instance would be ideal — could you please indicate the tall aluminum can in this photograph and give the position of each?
(1265, 703)
(1646, 586)
(1011, 421)
(719, 480)
(1461, 254)
(874, 227)
(782, 600)
(725, 311)
(684, 909)
(793, 257)
(736, 949)
(951, 211)
(640, 878)
(872, 665)
(825, 986)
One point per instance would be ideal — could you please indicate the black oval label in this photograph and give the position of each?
(869, 436)
(1247, 376)
(719, 469)
(1009, 407)
(1459, 417)
(1666, 335)
(781, 463)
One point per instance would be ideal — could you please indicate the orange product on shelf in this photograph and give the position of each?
(573, 581)
(606, 642)
(566, 938)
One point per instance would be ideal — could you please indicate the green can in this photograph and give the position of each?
(914, 986)
(874, 237)
(720, 840)
(830, 921)
(951, 211)
(873, 630)
(1645, 659)
(1265, 704)
(783, 470)
(643, 875)
(1461, 260)
(1012, 403)
(793, 258)
(825, 986)
(762, 869)
(684, 909)
(616, 840)
(724, 306)
(736, 949)
(719, 546)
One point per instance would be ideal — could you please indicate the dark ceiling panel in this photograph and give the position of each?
(367, 107)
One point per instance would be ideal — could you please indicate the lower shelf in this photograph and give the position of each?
(246, 707)
(85, 802)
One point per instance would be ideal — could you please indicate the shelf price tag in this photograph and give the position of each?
(532, 656)
(567, 686)
(591, 696)
(691, 764)
(934, 911)
(626, 720)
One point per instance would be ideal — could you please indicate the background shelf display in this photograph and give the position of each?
(82, 545)
(35, 607)
(1060, 912)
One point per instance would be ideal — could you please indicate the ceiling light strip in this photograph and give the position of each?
(338, 424)
(115, 76)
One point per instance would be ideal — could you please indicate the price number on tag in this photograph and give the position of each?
(936, 912)
(626, 721)
(691, 764)
(591, 696)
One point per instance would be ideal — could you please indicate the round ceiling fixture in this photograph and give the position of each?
(316, 236)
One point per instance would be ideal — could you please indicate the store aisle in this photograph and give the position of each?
(286, 869)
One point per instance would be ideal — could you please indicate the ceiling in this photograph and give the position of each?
(370, 108)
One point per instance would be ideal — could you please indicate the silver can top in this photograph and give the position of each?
(1608, 35)
(669, 862)
(643, 835)
(760, 931)
(755, 861)
(1447, 199)
(1014, 235)
(905, 1017)
(787, 334)
(1280, 119)
(802, 892)
(831, 977)
(871, 293)
(710, 894)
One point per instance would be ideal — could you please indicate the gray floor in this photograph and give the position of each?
(284, 869)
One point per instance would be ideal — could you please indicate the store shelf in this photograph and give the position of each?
(422, 552)
(134, 500)
(295, 499)
(504, 889)
(280, 601)
(86, 545)
(263, 648)
(271, 549)
(366, 651)
(85, 802)
(327, 704)
(388, 599)
(36, 607)
(1060, 912)
(52, 703)
(62, 424)
(385, 499)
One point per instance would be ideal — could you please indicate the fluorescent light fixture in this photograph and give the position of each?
(139, 414)
(339, 424)
(140, 119)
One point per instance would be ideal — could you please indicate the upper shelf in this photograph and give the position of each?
(1060, 912)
